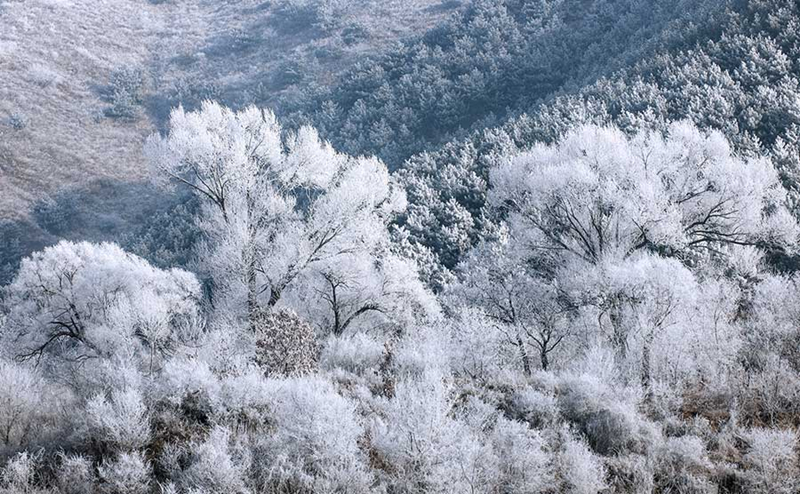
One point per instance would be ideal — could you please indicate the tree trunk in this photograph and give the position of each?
(543, 356)
(337, 319)
(250, 263)
(337, 323)
(523, 353)
(645, 373)
(252, 293)
(274, 296)
(618, 337)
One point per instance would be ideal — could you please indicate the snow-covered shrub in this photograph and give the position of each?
(482, 443)
(630, 473)
(609, 431)
(416, 443)
(524, 464)
(19, 474)
(189, 397)
(357, 353)
(129, 473)
(610, 426)
(313, 444)
(169, 460)
(226, 348)
(245, 399)
(181, 378)
(120, 422)
(28, 405)
(75, 474)
(683, 466)
(125, 92)
(771, 461)
(44, 75)
(216, 465)
(420, 350)
(598, 361)
(285, 344)
(581, 471)
(18, 121)
(538, 409)
(186, 399)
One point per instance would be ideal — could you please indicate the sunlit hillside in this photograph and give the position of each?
(67, 63)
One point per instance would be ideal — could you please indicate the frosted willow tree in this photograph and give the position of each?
(597, 194)
(276, 209)
(376, 287)
(79, 302)
(597, 206)
(527, 307)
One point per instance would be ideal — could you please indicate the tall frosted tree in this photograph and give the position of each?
(526, 307)
(278, 207)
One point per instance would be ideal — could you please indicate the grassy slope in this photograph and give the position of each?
(56, 57)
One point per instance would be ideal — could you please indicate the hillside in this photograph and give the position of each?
(493, 61)
(56, 58)
(727, 66)
(66, 63)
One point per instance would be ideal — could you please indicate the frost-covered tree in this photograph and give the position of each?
(594, 214)
(770, 351)
(423, 447)
(528, 309)
(772, 461)
(640, 298)
(316, 436)
(74, 303)
(352, 290)
(776, 318)
(602, 231)
(277, 207)
(597, 193)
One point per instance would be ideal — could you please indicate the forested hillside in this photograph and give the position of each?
(493, 60)
(740, 78)
(517, 246)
